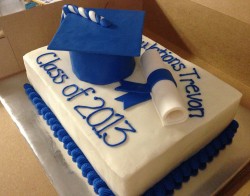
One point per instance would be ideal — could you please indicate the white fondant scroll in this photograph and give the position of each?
(165, 95)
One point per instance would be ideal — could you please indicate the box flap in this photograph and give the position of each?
(237, 9)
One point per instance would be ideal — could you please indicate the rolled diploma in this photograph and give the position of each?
(165, 96)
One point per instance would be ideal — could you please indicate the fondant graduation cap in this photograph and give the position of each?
(101, 42)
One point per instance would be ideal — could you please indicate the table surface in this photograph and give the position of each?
(22, 174)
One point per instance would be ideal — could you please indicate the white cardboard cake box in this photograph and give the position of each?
(208, 34)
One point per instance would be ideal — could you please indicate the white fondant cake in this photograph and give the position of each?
(139, 151)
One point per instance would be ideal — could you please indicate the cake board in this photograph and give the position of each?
(66, 182)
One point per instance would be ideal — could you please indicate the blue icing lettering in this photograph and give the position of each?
(162, 51)
(57, 75)
(123, 130)
(199, 112)
(166, 56)
(94, 125)
(42, 55)
(66, 90)
(76, 91)
(54, 73)
(175, 63)
(144, 45)
(178, 66)
(111, 110)
(154, 46)
(117, 119)
(109, 120)
(193, 94)
(60, 76)
(49, 67)
(192, 73)
(72, 91)
(60, 79)
(78, 107)
(192, 88)
(50, 63)
(195, 103)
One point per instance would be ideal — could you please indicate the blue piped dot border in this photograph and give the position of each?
(166, 186)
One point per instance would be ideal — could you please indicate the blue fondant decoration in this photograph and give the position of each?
(169, 183)
(130, 99)
(66, 139)
(105, 191)
(76, 153)
(101, 55)
(81, 160)
(101, 69)
(86, 14)
(158, 75)
(76, 34)
(86, 168)
(70, 147)
(91, 176)
(137, 92)
(133, 87)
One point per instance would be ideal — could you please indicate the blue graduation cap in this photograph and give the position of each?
(102, 42)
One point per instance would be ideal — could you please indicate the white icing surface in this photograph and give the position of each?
(165, 96)
(151, 152)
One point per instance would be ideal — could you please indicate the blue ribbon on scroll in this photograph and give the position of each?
(137, 93)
